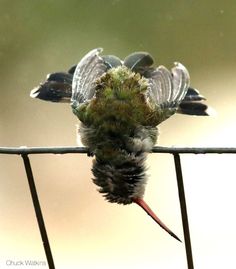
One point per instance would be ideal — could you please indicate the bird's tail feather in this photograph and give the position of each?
(193, 104)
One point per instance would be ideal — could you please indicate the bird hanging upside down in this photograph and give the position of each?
(119, 105)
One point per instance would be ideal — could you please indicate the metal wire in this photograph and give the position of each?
(38, 211)
(66, 150)
(25, 151)
(183, 208)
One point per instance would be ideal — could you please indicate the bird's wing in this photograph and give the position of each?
(167, 89)
(88, 70)
(56, 88)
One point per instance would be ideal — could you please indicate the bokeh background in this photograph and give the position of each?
(39, 37)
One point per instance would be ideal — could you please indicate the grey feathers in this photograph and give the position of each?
(90, 68)
(167, 89)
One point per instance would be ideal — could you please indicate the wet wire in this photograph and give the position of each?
(67, 150)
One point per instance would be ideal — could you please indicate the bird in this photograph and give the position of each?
(119, 104)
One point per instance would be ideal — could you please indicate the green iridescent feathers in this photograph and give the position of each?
(150, 99)
(120, 95)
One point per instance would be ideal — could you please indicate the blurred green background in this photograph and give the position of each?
(39, 37)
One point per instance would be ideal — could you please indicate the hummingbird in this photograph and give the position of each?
(119, 104)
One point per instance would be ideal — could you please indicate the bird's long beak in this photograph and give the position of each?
(145, 207)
